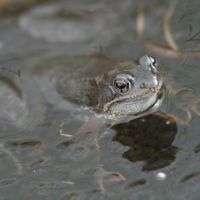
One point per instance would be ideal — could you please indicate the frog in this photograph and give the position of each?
(112, 90)
(129, 90)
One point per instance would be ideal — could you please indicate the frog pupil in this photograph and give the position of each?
(120, 85)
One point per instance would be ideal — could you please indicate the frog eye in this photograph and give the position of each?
(148, 61)
(121, 85)
(152, 61)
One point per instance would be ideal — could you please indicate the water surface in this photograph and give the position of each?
(148, 158)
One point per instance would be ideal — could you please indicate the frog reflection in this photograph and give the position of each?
(150, 140)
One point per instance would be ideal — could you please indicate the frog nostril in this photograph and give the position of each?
(143, 86)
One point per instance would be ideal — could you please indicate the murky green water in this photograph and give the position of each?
(52, 149)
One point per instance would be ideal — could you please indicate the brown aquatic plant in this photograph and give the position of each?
(166, 26)
(168, 52)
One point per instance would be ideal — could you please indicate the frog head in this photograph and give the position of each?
(131, 90)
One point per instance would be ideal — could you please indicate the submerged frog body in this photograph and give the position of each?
(130, 90)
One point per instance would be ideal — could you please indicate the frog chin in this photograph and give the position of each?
(132, 105)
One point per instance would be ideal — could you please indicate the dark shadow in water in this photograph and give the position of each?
(150, 139)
